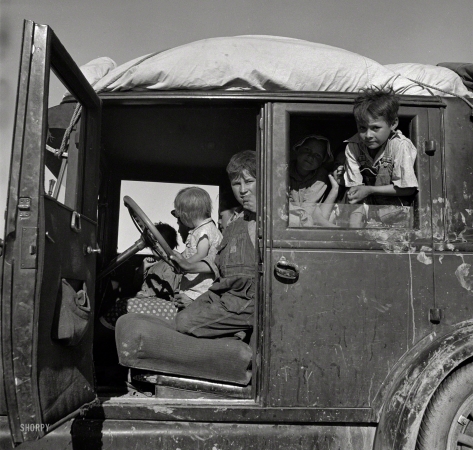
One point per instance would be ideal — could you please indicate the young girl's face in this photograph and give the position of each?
(310, 155)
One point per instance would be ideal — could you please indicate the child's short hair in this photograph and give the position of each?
(239, 162)
(168, 232)
(377, 103)
(192, 204)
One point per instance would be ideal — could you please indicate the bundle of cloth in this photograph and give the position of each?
(268, 63)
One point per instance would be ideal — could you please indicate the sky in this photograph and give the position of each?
(394, 31)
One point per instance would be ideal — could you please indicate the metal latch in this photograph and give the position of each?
(28, 248)
(435, 315)
(88, 250)
(76, 222)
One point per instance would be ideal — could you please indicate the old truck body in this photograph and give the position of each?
(347, 356)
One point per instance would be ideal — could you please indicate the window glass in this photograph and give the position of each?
(62, 148)
(157, 202)
(329, 185)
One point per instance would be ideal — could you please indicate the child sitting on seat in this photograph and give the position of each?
(192, 208)
(160, 294)
(379, 167)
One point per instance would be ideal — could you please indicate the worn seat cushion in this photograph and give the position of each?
(146, 342)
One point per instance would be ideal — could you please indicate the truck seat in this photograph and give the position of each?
(148, 343)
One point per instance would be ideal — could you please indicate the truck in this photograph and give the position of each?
(363, 337)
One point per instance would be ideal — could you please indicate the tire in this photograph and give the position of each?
(448, 419)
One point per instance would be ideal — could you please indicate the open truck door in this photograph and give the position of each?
(50, 245)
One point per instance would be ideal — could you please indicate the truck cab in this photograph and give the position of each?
(358, 333)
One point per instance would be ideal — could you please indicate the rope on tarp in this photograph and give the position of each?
(67, 133)
(420, 83)
(78, 109)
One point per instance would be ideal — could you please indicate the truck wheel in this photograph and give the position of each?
(448, 419)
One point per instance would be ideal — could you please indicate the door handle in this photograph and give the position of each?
(76, 222)
(286, 270)
(88, 249)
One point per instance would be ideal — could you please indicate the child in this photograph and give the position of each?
(227, 308)
(157, 296)
(193, 208)
(308, 179)
(379, 167)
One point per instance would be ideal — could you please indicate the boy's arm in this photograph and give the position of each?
(357, 193)
(352, 175)
(403, 181)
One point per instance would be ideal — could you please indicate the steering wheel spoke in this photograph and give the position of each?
(150, 237)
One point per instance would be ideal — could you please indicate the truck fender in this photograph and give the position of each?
(401, 402)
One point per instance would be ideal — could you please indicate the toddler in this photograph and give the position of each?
(164, 292)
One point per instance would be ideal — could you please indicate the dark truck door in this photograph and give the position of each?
(360, 298)
(50, 244)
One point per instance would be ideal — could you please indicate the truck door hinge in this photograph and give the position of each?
(430, 147)
(24, 205)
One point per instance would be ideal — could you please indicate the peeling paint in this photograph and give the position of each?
(466, 193)
(163, 410)
(282, 213)
(463, 275)
(392, 240)
(422, 257)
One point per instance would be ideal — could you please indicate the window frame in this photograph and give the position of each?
(284, 236)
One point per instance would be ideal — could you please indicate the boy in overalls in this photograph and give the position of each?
(379, 166)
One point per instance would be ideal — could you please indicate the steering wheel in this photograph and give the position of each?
(150, 237)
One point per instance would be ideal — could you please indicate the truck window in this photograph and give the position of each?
(157, 200)
(63, 147)
(317, 146)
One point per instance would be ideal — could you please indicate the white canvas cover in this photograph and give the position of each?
(271, 63)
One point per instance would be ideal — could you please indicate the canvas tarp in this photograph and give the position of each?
(268, 63)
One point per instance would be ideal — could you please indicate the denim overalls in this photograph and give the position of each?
(228, 306)
(391, 208)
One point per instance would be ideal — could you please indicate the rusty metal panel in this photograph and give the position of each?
(454, 286)
(458, 175)
(338, 331)
(64, 372)
(454, 245)
(218, 436)
(41, 386)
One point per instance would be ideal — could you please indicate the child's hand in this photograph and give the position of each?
(338, 174)
(333, 181)
(179, 259)
(182, 300)
(357, 193)
(147, 262)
